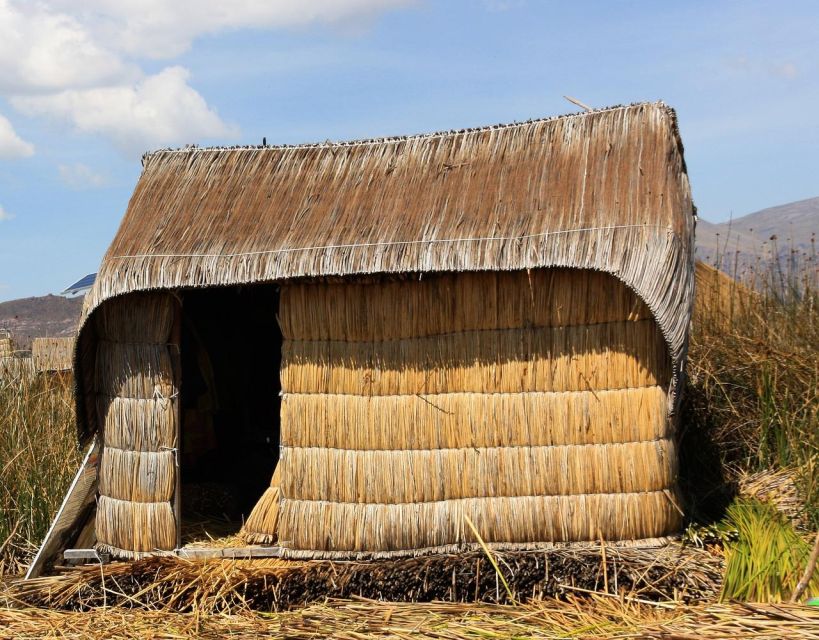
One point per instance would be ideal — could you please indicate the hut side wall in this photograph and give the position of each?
(53, 354)
(136, 385)
(536, 403)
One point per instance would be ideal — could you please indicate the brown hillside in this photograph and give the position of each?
(29, 318)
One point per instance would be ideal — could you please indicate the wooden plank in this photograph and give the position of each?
(176, 355)
(86, 554)
(235, 553)
(73, 509)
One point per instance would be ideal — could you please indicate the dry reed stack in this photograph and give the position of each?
(135, 381)
(488, 323)
(52, 354)
(6, 346)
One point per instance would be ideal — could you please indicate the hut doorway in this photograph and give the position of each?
(229, 434)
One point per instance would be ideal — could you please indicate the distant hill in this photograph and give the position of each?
(791, 224)
(29, 318)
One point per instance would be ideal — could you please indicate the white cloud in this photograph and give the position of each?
(159, 110)
(43, 50)
(80, 176)
(163, 28)
(12, 145)
(4, 215)
(78, 61)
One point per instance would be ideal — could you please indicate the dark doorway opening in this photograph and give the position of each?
(230, 406)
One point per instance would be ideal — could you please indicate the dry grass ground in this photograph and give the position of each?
(593, 617)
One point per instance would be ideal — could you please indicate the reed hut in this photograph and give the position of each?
(371, 344)
(52, 354)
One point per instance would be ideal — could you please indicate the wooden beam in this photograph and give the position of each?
(235, 553)
(86, 554)
(71, 512)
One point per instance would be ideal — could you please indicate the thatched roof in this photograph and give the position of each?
(605, 190)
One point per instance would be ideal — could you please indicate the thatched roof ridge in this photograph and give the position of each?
(146, 157)
(604, 190)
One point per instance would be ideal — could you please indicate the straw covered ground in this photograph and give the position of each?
(598, 617)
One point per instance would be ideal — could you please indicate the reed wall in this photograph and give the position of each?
(136, 382)
(53, 354)
(536, 403)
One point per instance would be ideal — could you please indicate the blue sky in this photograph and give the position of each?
(86, 87)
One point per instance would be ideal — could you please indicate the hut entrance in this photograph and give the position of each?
(229, 439)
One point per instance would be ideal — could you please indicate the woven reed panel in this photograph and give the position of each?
(534, 403)
(6, 348)
(136, 388)
(53, 354)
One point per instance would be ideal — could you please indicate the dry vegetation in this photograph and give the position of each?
(749, 424)
(38, 460)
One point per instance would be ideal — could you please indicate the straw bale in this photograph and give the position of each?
(138, 476)
(350, 527)
(614, 355)
(363, 311)
(127, 527)
(395, 477)
(53, 354)
(458, 420)
(138, 424)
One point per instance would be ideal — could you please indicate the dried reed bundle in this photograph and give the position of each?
(363, 311)
(778, 487)
(616, 355)
(334, 529)
(140, 318)
(263, 523)
(424, 475)
(475, 420)
(130, 529)
(138, 424)
(53, 354)
(127, 370)
(137, 476)
(6, 347)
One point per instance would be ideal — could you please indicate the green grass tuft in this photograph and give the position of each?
(767, 558)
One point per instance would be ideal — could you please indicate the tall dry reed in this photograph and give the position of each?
(752, 400)
(38, 459)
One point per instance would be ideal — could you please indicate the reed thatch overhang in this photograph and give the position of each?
(605, 190)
